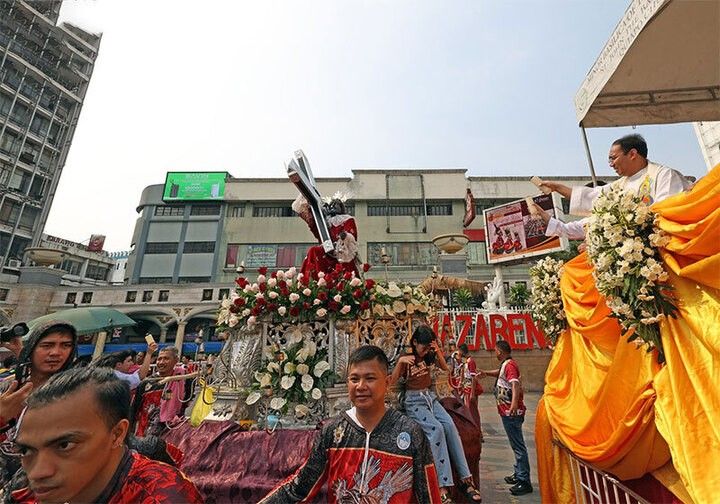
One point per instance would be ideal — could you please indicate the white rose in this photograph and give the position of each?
(321, 274)
(272, 295)
(322, 282)
(321, 312)
(316, 302)
(286, 382)
(316, 394)
(301, 411)
(252, 398)
(289, 368)
(337, 298)
(320, 368)
(272, 282)
(293, 297)
(261, 279)
(277, 403)
(302, 369)
(251, 321)
(233, 320)
(259, 295)
(291, 272)
(345, 310)
(307, 382)
(282, 310)
(355, 282)
(307, 291)
(245, 312)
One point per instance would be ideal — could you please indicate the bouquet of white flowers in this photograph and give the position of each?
(546, 299)
(622, 245)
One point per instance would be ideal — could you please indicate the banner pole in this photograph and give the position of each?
(589, 156)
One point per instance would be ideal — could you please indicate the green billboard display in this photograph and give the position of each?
(183, 186)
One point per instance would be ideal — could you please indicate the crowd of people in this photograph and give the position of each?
(93, 433)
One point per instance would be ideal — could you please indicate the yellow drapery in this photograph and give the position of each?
(609, 402)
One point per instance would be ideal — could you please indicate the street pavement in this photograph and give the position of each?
(497, 458)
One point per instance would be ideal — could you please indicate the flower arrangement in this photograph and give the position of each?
(287, 296)
(622, 245)
(399, 299)
(295, 375)
(546, 298)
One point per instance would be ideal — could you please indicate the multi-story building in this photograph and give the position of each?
(119, 272)
(80, 265)
(204, 241)
(45, 69)
(708, 134)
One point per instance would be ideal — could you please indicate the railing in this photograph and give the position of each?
(593, 485)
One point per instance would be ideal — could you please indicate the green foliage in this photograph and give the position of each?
(463, 298)
(519, 295)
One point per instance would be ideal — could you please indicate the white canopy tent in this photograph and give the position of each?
(661, 65)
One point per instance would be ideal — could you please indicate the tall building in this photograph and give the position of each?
(45, 69)
(202, 238)
(708, 134)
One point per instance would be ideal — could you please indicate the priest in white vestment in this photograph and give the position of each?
(628, 157)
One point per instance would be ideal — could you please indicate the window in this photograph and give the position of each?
(408, 208)
(194, 279)
(4, 294)
(236, 211)
(161, 248)
(163, 296)
(154, 280)
(168, 210)
(72, 267)
(71, 297)
(485, 203)
(276, 210)
(270, 255)
(207, 295)
(205, 210)
(130, 296)
(223, 293)
(27, 220)
(97, 270)
(476, 253)
(147, 296)
(87, 297)
(404, 253)
(199, 247)
(9, 212)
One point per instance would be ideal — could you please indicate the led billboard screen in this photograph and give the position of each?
(195, 186)
(512, 232)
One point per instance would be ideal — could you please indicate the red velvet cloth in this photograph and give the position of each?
(317, 260)
(230, 465)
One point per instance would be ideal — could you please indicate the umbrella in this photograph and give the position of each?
(88, 320)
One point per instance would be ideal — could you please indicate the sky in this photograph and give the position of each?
(238, 86)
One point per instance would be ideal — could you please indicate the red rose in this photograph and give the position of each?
(256, 310)
(271, 307)
(295, 311)
(322, 295)
(261, 302)
(366, 267)
(369, 283)
(262, 270)
(306, 305)
(262, 287)
(242, 282)
(234, 309)
(364, 305)
(340, 286)
(357, 293)
(338, 268)
(333, 306)
(273, 274)
(239, 302)
(347, 275)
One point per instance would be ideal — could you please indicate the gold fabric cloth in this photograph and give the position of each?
(610, 402)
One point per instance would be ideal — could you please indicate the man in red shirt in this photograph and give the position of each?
(72, 443)
(509, 396)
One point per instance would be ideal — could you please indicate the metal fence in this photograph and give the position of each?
(592, 485)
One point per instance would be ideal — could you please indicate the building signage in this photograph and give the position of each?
(512, 232)
(194, 186)
(261, 255)
(481, 330)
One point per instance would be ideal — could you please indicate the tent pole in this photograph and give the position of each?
(589, 156)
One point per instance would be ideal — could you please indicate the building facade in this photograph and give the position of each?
(45, 70)
(708, 134)
(79, 265)
(400, 211)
